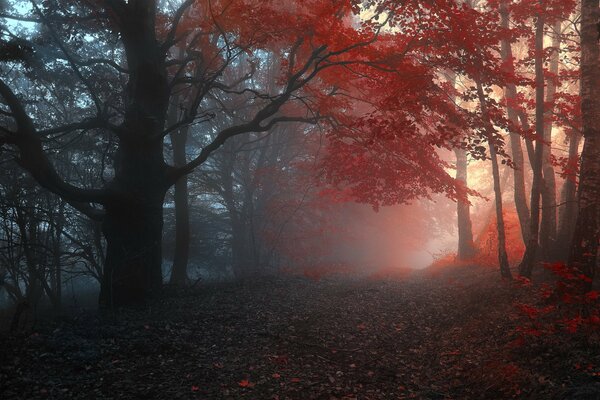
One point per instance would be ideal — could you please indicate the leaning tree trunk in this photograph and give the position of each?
(548, 228)
(510, 92)
(502, 255)
(466, 247)
(529, 258)
(584, 248)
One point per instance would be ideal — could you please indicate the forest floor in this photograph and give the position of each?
(423, 337)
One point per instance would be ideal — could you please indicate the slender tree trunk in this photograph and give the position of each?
(510, 92)
(568, 211)
(466, 247)
(59, 223)
(179, 271)
(529, 259)
(502, 255)
(548, 228)
(584, 249)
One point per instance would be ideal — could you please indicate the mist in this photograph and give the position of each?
(299, 200)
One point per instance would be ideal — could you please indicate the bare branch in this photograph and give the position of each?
(33, 159)
(70, 59)
(170, 39)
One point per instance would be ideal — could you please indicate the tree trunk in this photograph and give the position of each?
(568, 211)
(584, 248)
(179, 272)
(242, 261)
(530, 256)
(510, 92)
(502, 255)
(133, 222)
(466, 247)
(548, 227)
(133, 266)
(56, 280)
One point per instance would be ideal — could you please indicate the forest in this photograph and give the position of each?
(310, 199)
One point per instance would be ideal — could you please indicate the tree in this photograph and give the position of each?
(510, 94)
(584, 248)
(132, 105)
(531, 251)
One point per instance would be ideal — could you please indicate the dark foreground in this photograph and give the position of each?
(300, 339)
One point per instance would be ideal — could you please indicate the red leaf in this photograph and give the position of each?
(592, 296)
(245, 383)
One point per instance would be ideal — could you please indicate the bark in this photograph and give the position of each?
(502, 255)
(179, 271)
(568, 211)
(548, 228)
(466, 247)
(584, 248)
(179, 275)
(133, 232)
(510, 92)
(530, 256)
(134, 212)
(56, 280)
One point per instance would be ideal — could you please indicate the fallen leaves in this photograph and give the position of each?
(362, 340)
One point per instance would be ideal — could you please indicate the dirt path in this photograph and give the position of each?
(296, 339)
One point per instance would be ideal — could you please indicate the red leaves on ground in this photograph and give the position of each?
(245, 383)
(571, 307)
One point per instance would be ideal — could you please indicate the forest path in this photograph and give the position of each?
(292, 339)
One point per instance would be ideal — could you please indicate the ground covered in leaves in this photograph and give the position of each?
(422, 337)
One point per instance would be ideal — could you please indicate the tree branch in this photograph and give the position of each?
(33, 159)
(170, 39)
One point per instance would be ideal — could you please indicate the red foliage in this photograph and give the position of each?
(486, 245)
(567, 306)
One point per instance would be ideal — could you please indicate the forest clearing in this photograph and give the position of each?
(422, 337)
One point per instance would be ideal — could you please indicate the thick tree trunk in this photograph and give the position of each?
(548, 228)
(133, 224)
(584, 249)
(568, 211)
(530, 256)
(502, 255)
(466, 247)
(510, 92)
(133, 265)
(134, 209)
